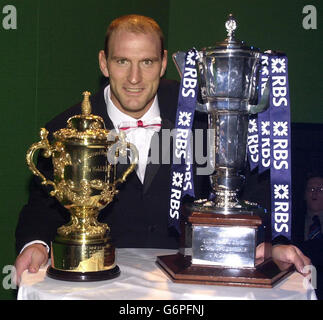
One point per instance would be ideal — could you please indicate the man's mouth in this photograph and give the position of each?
(134, 90)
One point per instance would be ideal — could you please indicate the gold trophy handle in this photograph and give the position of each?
(133, 164)
(134, 152)
(42, 144)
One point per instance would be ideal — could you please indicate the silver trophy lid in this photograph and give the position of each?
(231, 42)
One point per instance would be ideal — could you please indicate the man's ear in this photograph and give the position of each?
(103, 63)
(164, 64)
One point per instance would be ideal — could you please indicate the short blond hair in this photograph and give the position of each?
(137, 24)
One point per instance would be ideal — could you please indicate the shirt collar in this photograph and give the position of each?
(118, 116)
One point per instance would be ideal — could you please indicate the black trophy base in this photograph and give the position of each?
(180, 270)
(83, 276)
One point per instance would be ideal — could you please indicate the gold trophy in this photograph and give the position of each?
(84, 156)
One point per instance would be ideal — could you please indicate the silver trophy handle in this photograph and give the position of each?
(179, 61)
(264, 101)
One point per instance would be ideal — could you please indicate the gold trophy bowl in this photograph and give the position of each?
(85, 157)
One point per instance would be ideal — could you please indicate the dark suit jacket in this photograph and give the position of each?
(138, 216)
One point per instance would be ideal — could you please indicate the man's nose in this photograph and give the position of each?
(134, 75)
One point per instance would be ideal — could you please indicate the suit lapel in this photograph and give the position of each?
(167, 100)
(152, 168)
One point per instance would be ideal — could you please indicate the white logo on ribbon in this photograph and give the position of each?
(253, 126)
(280, 128)
(265, 128)
(184, 118)
(190, 55)
(281, 191)
(178, 179)
(278, 65)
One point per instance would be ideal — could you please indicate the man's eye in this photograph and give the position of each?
(122, 61)
(148, 62)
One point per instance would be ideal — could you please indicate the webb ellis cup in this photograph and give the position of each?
(84, 156)
(224, 229)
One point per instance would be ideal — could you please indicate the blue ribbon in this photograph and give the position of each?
(181, 172)
(274, 145)
(280, 171)
(264, 123)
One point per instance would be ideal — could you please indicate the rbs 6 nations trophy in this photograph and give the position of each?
(224, 229)
(84, 156)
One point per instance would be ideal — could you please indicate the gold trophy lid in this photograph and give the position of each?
(85, 125)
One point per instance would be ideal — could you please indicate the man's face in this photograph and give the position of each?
(313, 195)
(134, 66)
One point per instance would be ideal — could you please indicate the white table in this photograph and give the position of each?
(142, 279)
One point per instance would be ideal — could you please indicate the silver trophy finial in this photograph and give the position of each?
(231, 26)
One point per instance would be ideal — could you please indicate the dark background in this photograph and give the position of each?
(51, 58)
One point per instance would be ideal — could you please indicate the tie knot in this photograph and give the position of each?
(140, 124)
(154, 124)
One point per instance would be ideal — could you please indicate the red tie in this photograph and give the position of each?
(154, 124)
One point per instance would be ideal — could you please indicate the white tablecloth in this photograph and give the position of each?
(142, 279)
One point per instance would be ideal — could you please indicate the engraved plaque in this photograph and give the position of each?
(229, 246)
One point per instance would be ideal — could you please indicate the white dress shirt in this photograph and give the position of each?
(140, 137)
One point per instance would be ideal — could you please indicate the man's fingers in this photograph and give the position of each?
(37, 259)
(260, 251)
(31, 258)
(297, 257)
(299, 263)
(303, 260)
(291, 254)
(307, 261)
(21, 265)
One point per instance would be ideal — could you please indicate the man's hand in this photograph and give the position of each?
(285, 255)
(260, 252)
(31, 259)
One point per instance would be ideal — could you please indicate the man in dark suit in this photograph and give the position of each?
(134, 60)
(308, 233)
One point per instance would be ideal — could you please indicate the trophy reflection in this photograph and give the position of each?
(84, 157)
(224, 230)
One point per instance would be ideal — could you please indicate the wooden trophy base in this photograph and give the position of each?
(207, 228)
(180, 270)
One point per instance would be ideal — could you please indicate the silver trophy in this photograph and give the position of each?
(228, 76)
(224, 229)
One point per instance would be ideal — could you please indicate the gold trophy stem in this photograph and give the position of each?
(83, 225)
